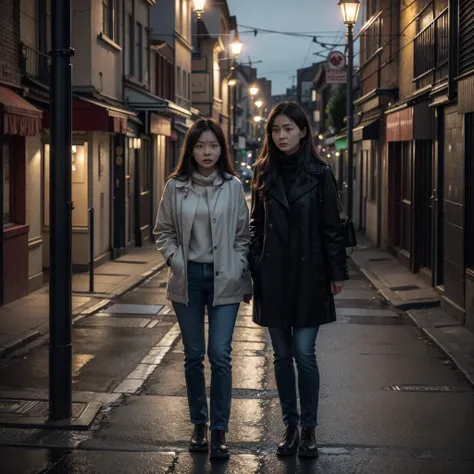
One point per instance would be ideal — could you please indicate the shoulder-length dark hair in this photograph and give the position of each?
(187, 164)
(267, 165)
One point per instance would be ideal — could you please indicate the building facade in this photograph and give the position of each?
(171, 22)
(20, 131)
(416, 112)
(211, 64)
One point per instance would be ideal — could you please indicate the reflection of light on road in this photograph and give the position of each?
(79, 361)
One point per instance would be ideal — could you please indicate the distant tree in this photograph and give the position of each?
(336, 109)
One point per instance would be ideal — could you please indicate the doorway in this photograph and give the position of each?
(394, 196)
(438, 205)
(119, 194)
(423, 222)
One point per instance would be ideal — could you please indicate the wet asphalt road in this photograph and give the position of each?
(367, 425)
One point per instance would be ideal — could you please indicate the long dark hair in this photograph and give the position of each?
(267, 165)
(187, 164)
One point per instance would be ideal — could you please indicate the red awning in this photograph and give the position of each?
(93, 116)
(19, 116)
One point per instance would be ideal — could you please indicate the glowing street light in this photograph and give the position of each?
(236, 45)
(258, 103)
(254, 91)
(350, 11)
(258, 118)
(199, 7)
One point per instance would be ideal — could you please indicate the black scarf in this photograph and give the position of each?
(289, 168)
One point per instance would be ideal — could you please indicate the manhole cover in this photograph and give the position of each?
(425, 388)
(405, 288)
(381, 259)
(135, 308)
(34, 408)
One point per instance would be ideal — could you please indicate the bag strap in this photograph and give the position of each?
(342, 211)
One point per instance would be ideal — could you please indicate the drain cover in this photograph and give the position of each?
(425, 388)
(34, 408)
(405, 288)
(35, 414)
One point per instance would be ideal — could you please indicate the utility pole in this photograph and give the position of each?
(60, 287)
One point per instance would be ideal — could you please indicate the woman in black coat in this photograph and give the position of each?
(298, 263)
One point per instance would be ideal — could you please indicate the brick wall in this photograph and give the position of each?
(10, 41)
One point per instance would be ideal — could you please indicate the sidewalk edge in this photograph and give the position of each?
(389, 296)
(31, 336)
(451, 354)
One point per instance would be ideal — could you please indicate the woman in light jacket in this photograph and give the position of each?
(202, 231)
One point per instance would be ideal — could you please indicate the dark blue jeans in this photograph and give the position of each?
(221, 327)
(297, 344)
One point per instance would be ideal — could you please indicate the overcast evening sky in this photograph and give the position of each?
(283, 55)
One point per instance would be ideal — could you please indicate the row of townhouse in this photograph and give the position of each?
(413, 141)
(143, 72)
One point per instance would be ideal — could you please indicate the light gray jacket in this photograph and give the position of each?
(230, 237)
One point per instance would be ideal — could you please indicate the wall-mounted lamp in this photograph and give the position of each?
(199, 7)
(73, 158)
(236, 45)
(134, 143)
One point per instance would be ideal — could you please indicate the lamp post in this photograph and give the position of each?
(350, 12)
(236, 48)
(60, 295)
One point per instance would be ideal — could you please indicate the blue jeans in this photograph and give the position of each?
(221, 327)
(297, 344)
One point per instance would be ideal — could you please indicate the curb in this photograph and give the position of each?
(19, 342)
(390, 297)
(32, 336)
(448, 349)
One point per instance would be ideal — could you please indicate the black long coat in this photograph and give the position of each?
(296, 250)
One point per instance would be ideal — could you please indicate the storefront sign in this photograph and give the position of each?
(160, 125)
(335, 68)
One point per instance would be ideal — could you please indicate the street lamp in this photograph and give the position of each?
(258, 103)
(350, 12)
(258, 118)
(253, 91)
(199, 7)
(236, 45)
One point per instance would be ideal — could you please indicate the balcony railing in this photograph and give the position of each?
(432, 51)
(35, 65)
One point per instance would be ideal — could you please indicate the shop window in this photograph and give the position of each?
(7, 184)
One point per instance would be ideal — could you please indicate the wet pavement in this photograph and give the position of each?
(390, 403)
